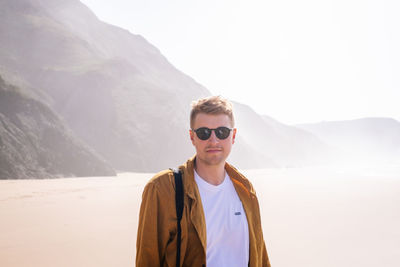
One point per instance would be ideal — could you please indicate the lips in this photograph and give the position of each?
(213, 150)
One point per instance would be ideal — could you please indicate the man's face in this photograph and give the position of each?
(212, 151)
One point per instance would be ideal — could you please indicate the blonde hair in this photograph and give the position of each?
(214, 105)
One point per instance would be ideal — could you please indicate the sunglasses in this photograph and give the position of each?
(221, 133)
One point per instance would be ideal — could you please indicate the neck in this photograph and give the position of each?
(212, 174)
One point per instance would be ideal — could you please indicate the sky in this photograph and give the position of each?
(296, 61)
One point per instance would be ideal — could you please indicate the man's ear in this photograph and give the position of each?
(233, 135)
(191, 135)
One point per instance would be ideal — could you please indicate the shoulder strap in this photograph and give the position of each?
(179, 210)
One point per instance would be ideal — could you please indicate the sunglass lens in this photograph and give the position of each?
(203, 133)
(222, 132)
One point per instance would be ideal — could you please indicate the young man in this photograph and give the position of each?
(221, 223)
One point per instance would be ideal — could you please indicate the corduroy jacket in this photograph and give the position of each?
(157, 238)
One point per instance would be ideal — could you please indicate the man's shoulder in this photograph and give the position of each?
(239, 177)
(162, 178)
(160, 187)
(165, 178)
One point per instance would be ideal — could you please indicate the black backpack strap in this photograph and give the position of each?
(179, 211)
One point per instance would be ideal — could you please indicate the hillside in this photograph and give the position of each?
(284, 145)
(113, 89)
(35, 144)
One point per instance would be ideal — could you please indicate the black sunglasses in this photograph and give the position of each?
(204, 133)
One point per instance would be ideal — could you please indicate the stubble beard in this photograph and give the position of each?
(213, 160)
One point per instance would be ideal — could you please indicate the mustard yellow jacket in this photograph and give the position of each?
(157, 238)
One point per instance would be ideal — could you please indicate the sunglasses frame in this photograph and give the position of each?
(211, 130)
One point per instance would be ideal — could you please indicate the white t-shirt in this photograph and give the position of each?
(226, 224)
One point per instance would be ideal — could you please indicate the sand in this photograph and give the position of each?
(315, 217)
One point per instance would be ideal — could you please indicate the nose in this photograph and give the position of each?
(213, 138)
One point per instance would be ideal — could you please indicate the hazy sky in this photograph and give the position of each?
(297, 61)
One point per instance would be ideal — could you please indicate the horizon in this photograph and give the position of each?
(282, 53)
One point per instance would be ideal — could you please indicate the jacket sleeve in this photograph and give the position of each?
(265, 259)
(264, 254)
(153, 228)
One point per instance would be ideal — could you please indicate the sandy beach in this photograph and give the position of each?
(312, 217)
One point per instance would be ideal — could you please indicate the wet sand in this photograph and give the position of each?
(311, 218)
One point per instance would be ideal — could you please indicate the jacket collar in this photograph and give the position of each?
(189, 184)
(195, 205)
(190, 187)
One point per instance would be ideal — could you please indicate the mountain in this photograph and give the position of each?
(113, 89)
(35, 144)
(119, 96)
(366, 139)
(283, 145)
